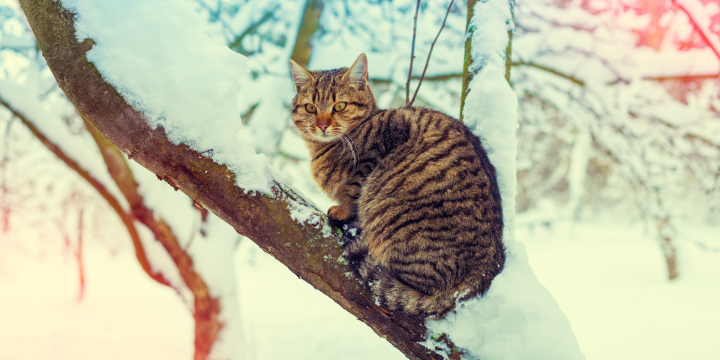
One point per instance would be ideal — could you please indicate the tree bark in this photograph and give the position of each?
(467, 60)
(313, 255)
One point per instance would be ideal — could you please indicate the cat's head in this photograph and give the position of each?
(332, 102)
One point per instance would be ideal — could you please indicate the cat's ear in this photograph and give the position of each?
(358, 72)
(300, 75)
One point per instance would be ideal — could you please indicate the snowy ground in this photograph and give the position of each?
(609, 278)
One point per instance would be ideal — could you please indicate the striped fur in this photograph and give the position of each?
(417, 183)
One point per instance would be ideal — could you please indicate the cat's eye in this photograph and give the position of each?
(340, 106)
(310, 108)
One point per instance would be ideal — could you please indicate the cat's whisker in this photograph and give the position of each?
(345, 145)
(351, 145)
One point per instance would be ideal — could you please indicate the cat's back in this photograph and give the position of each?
(431, 211)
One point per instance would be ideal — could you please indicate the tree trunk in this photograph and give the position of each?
(310, 23)
(467, 62)
(665, 234)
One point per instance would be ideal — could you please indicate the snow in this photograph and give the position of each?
(123, 315)
(607, 276)
(517, 318)
(165, 66)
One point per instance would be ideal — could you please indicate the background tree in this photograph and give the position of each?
(616, 97)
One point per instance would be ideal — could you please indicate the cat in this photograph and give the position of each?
(417, 183)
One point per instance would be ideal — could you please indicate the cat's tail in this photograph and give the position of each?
(398, 297)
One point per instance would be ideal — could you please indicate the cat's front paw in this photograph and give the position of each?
(338, 214)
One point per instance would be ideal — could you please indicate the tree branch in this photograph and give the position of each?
(714, 44)
(467, 61)
(308, 249)
(441, 77)
(552, 71)
(100, 188)
(206, 308)
(237, 43)
(429, 54)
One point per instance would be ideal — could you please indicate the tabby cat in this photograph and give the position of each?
(418, 184)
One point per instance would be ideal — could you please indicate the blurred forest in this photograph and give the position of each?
(619, 111)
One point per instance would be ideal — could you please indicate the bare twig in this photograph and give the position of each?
(252, 29)
(79, 255)
(429, 54)
(412, 56)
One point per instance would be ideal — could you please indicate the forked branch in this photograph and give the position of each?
(98, 186)
(429, 54)
(408, 102)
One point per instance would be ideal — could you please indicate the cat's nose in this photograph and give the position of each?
(323, 126)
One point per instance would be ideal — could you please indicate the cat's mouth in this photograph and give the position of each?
(325, 137)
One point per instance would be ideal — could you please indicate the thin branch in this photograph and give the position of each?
(215, 16)
(412, 56)
(699, 77)
(79, 255)
(704, 33)
(430, 54)
(237, 43)
(552, 71)
(441, 77)
(111, 200)
(686, 135)
(206, 307)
